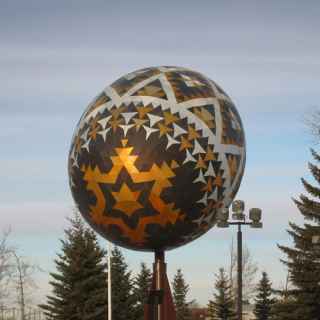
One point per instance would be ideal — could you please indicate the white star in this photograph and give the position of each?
(171, 141)
(71, 183)
(204, 199)
(189, 157)
(210, 171)
(200, 178)
(75, 162)
(128, 116)
(85, 134)
(177, 131)
(104, 121)
(86, 145)
(156, 104)
(149, 131)
(73, 153)
(214, 195)
(126, 128)
(103, 133)
(197, 148)
(154, 119)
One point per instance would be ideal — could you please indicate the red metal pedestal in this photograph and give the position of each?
(160, 303)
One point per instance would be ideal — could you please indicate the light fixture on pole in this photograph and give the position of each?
(109, 283)
(239, 218)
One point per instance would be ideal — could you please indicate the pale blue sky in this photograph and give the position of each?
(55, 56)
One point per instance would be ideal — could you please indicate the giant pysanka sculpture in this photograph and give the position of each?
(155, 156)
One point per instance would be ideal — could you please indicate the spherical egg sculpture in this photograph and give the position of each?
(154, 158)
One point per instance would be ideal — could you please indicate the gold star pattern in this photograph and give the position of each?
(95, 127)
(193, 134)
(169, 117)
(93, 132)
(163, 129)
(209, 155)
(205, 116)
(233, 165)
(126, 200)
(208, 186)
(218, 181)
(200, 163)
(114, 123)
(77, 144)
(117, 111)
(142, 111)
(139, 123)
(185, 144)
(153, 89)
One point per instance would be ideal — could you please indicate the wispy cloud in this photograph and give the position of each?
(41, 218)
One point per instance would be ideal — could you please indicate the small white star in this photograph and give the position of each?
(126, 128)
(189, 157)
(204, 199)
(149, 131)
(104, 121)
(103, 133)
(86, 145)
(171, 141)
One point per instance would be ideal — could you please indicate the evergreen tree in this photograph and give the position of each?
(142, 285)
(283, 309)
(79, 289)
(211, 310)
(264, 301)
(123, 300)
(180, 291)
(222, 306)
(303, 260)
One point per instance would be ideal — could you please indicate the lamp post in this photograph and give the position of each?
(239, 219)
(109, 282)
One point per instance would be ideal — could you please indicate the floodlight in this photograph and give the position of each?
(238, 206)
(222, 217)
(255, 216)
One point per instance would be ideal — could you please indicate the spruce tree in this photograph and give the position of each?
(211, 310)
(142, 285)
(123, 299)
(283, 309)
(180, 291)
(303, 260)
(222, 306)
(79, 289)
(263, 300)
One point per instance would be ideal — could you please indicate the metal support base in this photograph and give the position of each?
(160, 303)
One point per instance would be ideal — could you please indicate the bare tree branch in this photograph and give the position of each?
(250, 269)
(23, 281)
(6, 270)
(312, 122)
